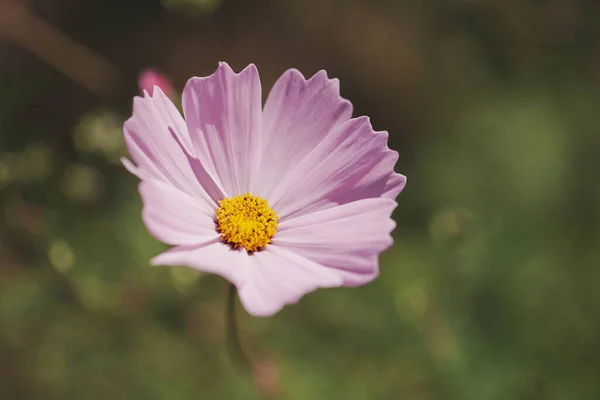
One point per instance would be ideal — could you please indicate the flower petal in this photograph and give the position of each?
(213, 256)
(353, 162)
(346, 238)
(223, 114)
(131, 167)
(277, 277)
(158, 141)
(175, 217)
(394, 185)
(298, 115)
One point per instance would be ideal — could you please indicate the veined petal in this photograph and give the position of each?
(346, 238)
(158, 141)
(394, 185)
(175, 217)
(353, 162)
(297, 116)
(223, 114)
(213, 256)
(277, 277)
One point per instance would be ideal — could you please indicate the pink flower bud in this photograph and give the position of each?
(150, 78)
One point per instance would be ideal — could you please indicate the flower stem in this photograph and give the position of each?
(234, 344)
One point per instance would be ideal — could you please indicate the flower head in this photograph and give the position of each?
(279, 200)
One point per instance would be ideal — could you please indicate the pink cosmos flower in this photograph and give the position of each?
(279, 200)
(149, 78)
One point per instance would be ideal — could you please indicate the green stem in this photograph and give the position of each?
(236, 351)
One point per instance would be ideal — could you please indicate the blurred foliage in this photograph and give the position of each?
(490, 292)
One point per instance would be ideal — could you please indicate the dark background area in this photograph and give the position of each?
(490, 291)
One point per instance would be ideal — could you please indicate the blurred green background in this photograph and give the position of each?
(491, 290)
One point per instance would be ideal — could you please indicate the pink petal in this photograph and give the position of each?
(158, 141)
(353, 162)
(175, 217)
(277, 277)
(346, 238)
(297, 116)
(131, 167)
(223, 114)
(214, 257)
(394, 186)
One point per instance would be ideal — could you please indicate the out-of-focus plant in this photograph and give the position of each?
(99, 132)
(82, 183)
(34, 163)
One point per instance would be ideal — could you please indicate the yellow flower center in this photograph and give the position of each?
(246, 221)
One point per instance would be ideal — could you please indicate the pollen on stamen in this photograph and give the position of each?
(246, 221)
